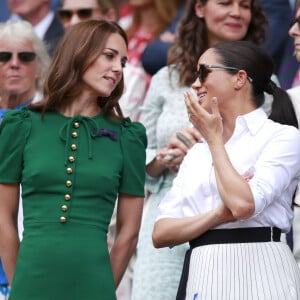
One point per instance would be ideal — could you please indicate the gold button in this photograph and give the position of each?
(69, 170)
(67, 197)
(64, 208)
(76, 125)
(73, 147)
(74, 134)
(63, 219)
(71, 159)
(68, 183)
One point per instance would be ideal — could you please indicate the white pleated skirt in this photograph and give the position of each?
(243, 271)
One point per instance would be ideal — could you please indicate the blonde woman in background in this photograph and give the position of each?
(24, 62)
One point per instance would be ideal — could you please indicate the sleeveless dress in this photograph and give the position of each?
(71, 170)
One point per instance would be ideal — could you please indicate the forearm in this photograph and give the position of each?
(234, 190)
(9, 246)
(120, 255)
(169, 232)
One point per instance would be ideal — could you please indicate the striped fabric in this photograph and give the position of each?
(246, 271)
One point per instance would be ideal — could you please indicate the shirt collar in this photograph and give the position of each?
(253, 120)
(42, 27)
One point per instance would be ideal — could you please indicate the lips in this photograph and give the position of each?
(112, 80)
(234, 25)
(200, 97)
(14, 77)
(297, 46)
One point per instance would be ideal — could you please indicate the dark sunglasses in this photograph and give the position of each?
(297, 20)
(24, 56)
(204, 70)
(65, 15)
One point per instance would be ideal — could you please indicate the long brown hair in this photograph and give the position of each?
(77, 50)
(166, 11)
(191, 40)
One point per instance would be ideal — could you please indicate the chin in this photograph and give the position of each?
(105, 94)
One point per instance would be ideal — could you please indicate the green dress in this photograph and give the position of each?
(71, 171)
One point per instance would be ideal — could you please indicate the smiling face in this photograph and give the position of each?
(226, 20)
(17, 77)
(106, 71)
(218, 82)
(294, 32)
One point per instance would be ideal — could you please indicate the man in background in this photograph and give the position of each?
(40, 15)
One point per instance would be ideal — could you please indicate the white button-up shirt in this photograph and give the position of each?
(260, 147)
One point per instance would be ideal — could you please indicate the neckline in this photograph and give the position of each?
(79, 116)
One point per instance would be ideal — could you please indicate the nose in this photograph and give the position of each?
(294, 30)
(196, 84)
(117, 66)
(235, 9)
(74, 20)
(14, 62)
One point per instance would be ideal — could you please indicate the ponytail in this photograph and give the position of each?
(282, 107)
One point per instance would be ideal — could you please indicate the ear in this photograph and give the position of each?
(241, 79)
(199, 9)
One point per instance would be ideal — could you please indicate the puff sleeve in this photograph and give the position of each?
(14, 131)
(133, 143)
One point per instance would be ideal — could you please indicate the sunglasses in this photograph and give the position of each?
(24, 57)
(204, 70)
(65, 15)
(297, 20)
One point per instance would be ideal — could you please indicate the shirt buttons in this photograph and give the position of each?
(68, 183)
(71, 159)
(74, 134)
(76, 124)
(64, 207)
(69, 170)
(73, 147)
(67, 197)
(63, 219)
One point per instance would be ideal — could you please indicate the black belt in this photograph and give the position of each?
(237, 235)
(226, 236)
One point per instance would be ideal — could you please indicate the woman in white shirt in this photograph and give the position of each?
(233, 194)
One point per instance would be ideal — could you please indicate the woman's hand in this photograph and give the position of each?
(184, 139)
(209, 124)
(169, 158)
(179, 144)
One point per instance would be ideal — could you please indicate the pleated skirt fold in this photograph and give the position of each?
(243, 271)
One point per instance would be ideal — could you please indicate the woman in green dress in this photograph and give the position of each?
(74, 154)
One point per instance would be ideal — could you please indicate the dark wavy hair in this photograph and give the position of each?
(191, 40)
(75, 53)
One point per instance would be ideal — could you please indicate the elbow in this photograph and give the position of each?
(158, 238)
(244, 211)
